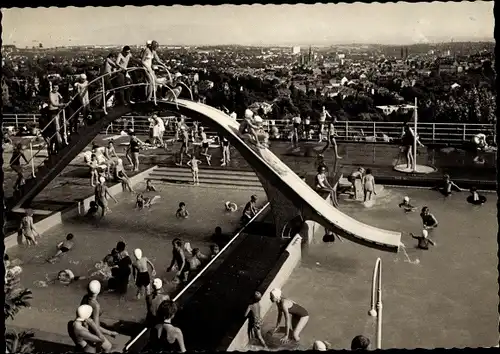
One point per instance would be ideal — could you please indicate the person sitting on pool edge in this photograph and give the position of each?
(250, 210)
(476, 198)
(62, 248)
(424, 240)
(296, 317)
(408, 208)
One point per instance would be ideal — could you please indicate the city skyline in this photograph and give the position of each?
(252, 25)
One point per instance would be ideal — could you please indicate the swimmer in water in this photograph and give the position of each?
(93, 210)
(360, 343)
(250, 210)
(145, 202)
(424, 240)
(476, 198)
(232, 207)
(407, 207)
(447, 186)
(154, 300)
(62, 248)
(179, 263)
(141, 274)
(86, 335)
(182, 212)
(369, 185)
(214, 251)
(67, 277)
(149, 186)
(193, 163)
(429, 221)
(254, 315)
(296, 317)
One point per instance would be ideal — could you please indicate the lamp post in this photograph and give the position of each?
(376, 300)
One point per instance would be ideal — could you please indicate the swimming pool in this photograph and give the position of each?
(449, 299)
(152, 230)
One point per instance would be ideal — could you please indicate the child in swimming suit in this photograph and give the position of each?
(369, 185)
(407, 207)
(193, 163)
(214, 251)
(424, 240)
(475, 197)
(254, 315)
(149, 186)
(62, 248)
(140, 272)
(232, 207)
(182, 212)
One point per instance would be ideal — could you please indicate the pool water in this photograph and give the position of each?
(449, 299)
(152, 230)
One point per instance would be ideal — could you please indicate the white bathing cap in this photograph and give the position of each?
(228, 203)
(406, 199)
(177, 75)
(320, 346)
(149, 42)
(138, 253)
(102, 179)
(157, 283)
(233, 115)
(425, 233)
(83, 76)
(258, 119)
(248, 113)
(276, 293)
(95, 287)
(83, 312)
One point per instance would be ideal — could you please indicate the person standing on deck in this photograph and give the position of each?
(82, 88)
(55, 105)
(122, 76)
(148, 54)
(322, 120)
(86, 335)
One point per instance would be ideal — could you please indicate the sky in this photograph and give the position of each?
(320, 24)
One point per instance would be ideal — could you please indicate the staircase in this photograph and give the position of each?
(219, 178)
(55, 164)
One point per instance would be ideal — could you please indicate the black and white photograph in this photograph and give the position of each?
(250, 177)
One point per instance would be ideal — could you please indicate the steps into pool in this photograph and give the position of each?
(212, 177)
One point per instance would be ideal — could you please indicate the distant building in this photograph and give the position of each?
(296, 50)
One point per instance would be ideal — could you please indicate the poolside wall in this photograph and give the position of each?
(293, 254)
(58, 217)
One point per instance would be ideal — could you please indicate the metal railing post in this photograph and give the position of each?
(132, 121)
(65, 138)
(375, 131)
(104, 103)
(17, 122)
(34, 118)
(463, 136)
(347, 129)
(433, 131)
(32, 160)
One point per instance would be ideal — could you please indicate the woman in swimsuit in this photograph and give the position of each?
(322, 120)
(165, 336)
(122, 176)
(226, 152)
(429, 221)
(110, 152)
(141, 274)
(322, 185)
(149, 53)
(369, 185)
(86, 335)
(27, 229)
(296, 317)
(134, 148)
(205, 145)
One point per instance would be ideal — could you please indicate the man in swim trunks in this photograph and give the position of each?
(254, 315)
(185, 143)
(179, 263)
(62, 248)
(101, 194)
(296, 317)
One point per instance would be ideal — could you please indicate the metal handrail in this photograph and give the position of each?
(204, 268)
(186, 86)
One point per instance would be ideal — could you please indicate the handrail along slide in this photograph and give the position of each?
(204, 269)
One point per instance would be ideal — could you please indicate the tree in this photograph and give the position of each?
(15, 299)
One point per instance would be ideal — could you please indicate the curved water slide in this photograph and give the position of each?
(280, 176)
